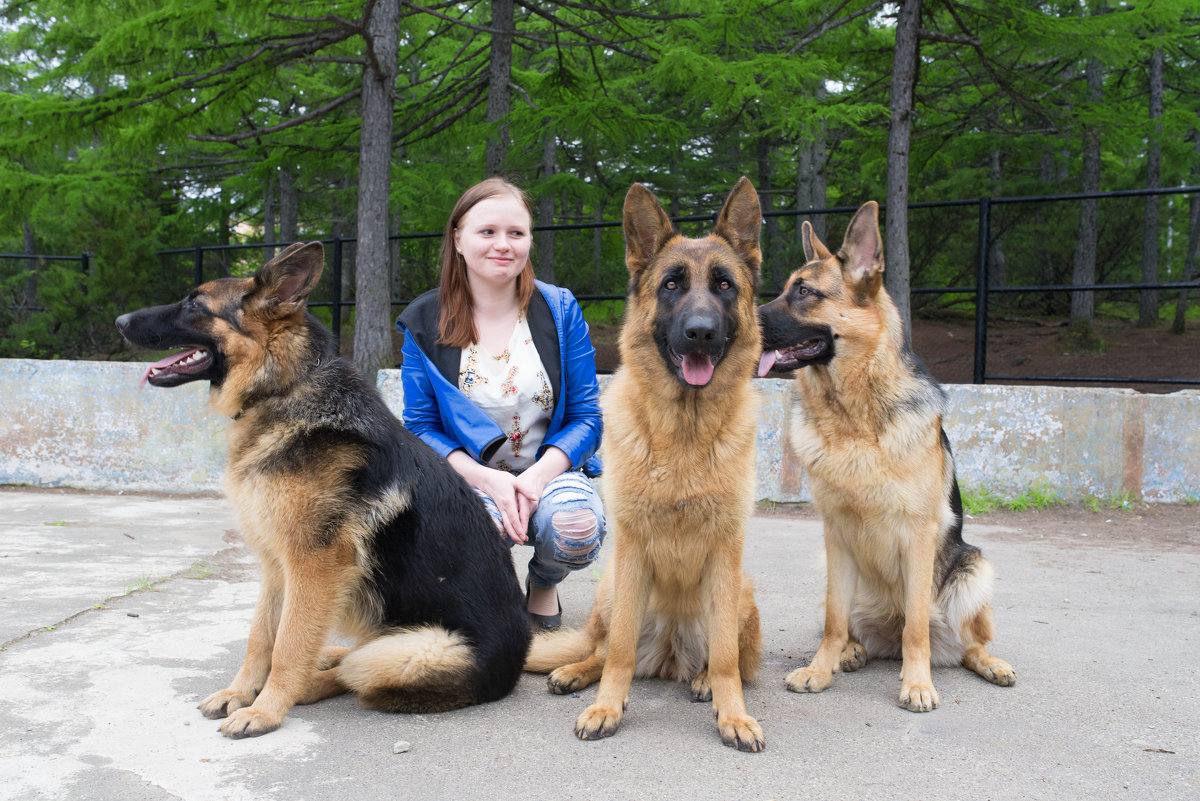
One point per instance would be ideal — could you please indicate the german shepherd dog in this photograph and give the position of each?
(359, 526)
(679, 420)
(867, 426)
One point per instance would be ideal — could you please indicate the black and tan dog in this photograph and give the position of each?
(866, 423)
(359, 526)
(679, 428)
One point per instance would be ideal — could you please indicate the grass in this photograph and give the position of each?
(1038, 497)
(139, 584)
(1121, 499)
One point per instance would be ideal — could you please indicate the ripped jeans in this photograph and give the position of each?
(566, 530)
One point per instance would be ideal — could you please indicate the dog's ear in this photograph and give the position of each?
(740, 222)
(862, 249)
(647, 228)
(283, 284)
(814, 248)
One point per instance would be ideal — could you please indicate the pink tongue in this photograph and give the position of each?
(168, 360)
(766, 362)
(697, 369)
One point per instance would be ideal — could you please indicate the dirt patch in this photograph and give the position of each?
(1152, 527)
(1028, 348)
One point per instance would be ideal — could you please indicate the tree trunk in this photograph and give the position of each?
(1148, 298)
(598, 248)
(810, 175)
(499, 95)
(269, 217)
(543, 264)
(770, 245)
(372, 317)
(1191, 270)
(289, 206)
(904, 79)
(1083, 304)
(997, 275)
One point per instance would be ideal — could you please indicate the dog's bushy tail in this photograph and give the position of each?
(413, 670)
(553, 649)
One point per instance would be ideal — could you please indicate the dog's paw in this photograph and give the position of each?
(701, 687)
(854, 656)
(598, 721)
(997, 671)
(807, 680)
(741, 732)
(565, 680)
(224, 703)
(249, 722)
(918, 697)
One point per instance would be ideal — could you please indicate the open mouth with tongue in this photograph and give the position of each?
(696, 367)
(188, 365)
(815, 350)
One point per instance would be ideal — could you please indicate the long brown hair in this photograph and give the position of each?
(456, 323)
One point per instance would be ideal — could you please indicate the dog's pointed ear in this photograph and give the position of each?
(740, 223)
(647, 228)
(284, 283)
(862, 249)
(814, 248)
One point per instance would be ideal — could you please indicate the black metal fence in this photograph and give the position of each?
(982, 291)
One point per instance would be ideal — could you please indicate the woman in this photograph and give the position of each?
(499, 377)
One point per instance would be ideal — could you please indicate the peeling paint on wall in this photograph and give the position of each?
(89, 425)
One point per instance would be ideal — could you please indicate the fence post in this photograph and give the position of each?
(981, 290)
(85, 264)
(198, 265)
(336, 308)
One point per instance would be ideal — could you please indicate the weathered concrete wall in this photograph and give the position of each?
(89, 425)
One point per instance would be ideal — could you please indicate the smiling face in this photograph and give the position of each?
(494, 240)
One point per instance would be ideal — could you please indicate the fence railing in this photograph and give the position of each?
(981, 290)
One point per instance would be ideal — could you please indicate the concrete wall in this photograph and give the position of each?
(89, 425)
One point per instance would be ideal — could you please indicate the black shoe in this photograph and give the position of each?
(544, 622)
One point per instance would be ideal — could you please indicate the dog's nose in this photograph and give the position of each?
(700, 328)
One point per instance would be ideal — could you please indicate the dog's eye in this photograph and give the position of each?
(671, 284)
(725, 286)
(803, 290)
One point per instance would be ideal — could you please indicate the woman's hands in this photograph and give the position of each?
(516, 496)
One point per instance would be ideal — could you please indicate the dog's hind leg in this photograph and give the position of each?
(976, 633)
(332, 656)
(841, 581)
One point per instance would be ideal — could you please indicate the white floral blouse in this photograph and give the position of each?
(511, 388)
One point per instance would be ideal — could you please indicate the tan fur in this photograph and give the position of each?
(867, 428)
(678, 489)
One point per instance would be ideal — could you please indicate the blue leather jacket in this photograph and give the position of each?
(437, 412)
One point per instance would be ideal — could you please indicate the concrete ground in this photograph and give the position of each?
(119, 613)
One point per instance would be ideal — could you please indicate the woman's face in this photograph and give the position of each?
(494, 240)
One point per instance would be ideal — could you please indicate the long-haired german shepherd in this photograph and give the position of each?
(359, 526)
(867, 426)
(679, 422)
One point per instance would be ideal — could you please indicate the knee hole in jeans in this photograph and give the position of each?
(575, 531)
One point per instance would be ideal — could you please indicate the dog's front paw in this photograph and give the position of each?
(918, 697)
(807, 680)
(598, 721)
(997, 671)
(741, 732)
(249, 722)
(701, 687)
(225, 702)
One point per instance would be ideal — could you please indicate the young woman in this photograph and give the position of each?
(499, 377)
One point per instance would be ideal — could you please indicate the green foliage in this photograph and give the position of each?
(1118, 499)
(1038, 497)
(979, 502)
(128, 128)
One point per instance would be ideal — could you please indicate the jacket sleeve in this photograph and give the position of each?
(421, 413)
(579, 436)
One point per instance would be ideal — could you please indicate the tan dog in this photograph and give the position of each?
(679, 438)
(867, 425)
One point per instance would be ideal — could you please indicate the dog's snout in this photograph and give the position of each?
(123, 322)
(700, 328)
